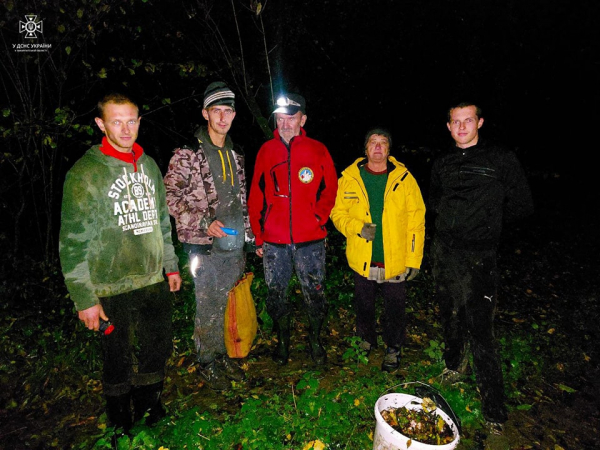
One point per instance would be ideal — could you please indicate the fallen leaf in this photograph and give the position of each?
(566, 388)
(314, 445)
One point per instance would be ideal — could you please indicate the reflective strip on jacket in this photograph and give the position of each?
(403, 219)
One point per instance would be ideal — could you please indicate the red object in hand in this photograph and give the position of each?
(106, 327)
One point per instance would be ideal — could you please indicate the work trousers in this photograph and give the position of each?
(393, 319)
(215, 275)
(136, 351)
(308, 260)
(466, 289)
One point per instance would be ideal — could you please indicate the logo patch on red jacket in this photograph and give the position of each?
(306, 175)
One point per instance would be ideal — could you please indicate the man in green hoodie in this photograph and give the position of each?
(115, 249)
(206, 194)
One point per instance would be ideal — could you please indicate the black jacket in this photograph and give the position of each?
(473, 191)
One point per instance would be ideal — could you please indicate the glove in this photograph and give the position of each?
(368, 231)
(410, 273)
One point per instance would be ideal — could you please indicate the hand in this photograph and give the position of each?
(214, 229)
(174, 282)
(259, 252)
(410, 273)
(91, 317)
(368, 231)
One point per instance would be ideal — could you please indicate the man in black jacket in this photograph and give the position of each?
(475, 187)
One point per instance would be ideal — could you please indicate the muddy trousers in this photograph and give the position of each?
(136, 351)
(308, 260)
(215, 275)
(466, 290)
(393, 319)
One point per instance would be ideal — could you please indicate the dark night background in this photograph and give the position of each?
(532, 65)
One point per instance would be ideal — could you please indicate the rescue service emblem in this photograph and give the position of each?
(306, 175)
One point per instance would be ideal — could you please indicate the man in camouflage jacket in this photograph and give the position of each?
(206, 194)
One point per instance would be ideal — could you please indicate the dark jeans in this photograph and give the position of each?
(308, 260)
(136, 351)
(466, 287)
(394, 305)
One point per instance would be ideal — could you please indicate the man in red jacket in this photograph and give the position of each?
(293, 191)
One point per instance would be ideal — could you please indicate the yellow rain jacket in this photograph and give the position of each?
(403, 219)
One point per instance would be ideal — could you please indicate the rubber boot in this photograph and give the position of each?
(317, 352)
(146, 399)
(282, 350)
(118, 411)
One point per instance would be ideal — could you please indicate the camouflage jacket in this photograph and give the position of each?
(191, 195)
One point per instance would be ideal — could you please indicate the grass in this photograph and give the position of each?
(50, 370)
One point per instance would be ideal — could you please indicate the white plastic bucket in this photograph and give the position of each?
(386, 438)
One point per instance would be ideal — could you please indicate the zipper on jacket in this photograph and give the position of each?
(289, 162)
(275, 182)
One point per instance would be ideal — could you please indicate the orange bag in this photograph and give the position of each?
(240, 318)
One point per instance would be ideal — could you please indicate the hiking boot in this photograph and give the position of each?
(391, 360)
(231, 368)
(496, 440)
(214, 377)
(366, 347)
(494, 428)
(449, 377)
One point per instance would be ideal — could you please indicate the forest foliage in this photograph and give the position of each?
(161, 53)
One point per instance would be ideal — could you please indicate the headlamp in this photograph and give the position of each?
(285, 101)
(290, 104)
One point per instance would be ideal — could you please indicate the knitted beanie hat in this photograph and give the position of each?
(218, 93)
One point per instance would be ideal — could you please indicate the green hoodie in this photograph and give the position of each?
(115, 231)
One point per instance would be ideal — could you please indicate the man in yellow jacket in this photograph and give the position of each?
(380, 210)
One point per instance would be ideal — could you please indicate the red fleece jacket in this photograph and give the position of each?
(293, 191)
